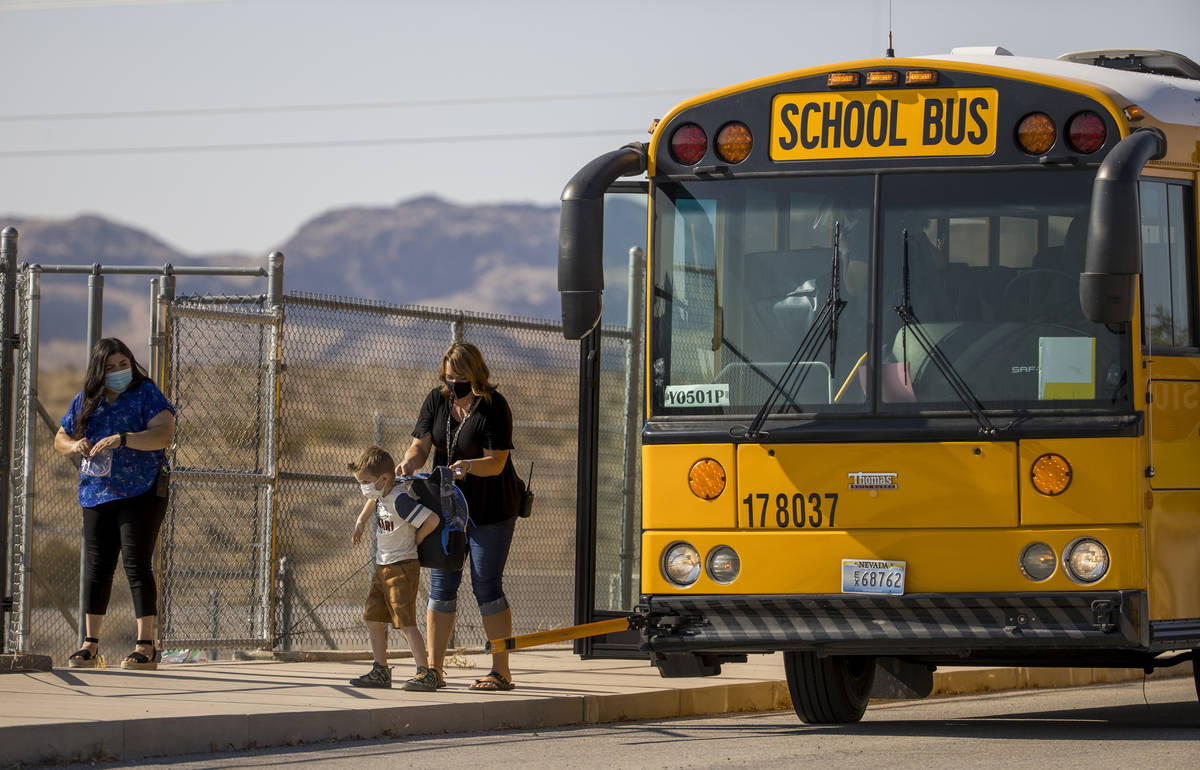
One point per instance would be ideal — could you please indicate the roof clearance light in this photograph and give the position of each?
(1086, 132)
(734, 142)
(921, 77)
(843, 79)
(1051, 474)
(883, 78)
(1134, 112)
(1036, 133)
(688, 144)
(706, 479)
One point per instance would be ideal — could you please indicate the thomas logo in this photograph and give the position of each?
(866, 480)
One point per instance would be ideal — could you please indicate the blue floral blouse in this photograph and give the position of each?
(133, 470)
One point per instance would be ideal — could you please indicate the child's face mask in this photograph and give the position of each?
(371, 490)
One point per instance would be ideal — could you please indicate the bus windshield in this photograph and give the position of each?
(743, 274)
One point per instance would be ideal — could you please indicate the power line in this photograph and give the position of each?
(334, 107)
(318, 144)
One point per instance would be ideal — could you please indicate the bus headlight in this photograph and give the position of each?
(1085, 560)
(1037, 561)
(681, 564)
(723, 564)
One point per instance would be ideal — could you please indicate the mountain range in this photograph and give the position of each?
(496, 258)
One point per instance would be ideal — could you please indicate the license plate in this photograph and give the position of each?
(871, 576)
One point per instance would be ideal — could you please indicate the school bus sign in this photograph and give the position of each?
(884, 124)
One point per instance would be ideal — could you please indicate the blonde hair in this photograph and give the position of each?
(465, 358)
(374, 460)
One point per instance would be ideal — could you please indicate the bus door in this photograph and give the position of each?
(608, 505)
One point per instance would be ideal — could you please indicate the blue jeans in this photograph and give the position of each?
(487, 546)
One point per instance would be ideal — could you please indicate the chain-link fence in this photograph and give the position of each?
(271, 405)
(355, 373)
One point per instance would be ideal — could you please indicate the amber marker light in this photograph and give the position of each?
(1036, 133)
(843, 79)
(921, 78)
(883, 78)
(706, 479)
(734, 142)
(1134, 112)
(1051, 474)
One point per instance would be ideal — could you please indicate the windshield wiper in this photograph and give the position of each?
(960, 387)
(823, 326)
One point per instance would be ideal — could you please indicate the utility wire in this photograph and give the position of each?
(334, 107)
(317, 144)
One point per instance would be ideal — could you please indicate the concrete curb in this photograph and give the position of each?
(136, 738)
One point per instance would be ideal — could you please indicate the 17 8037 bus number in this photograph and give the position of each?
(782, 511)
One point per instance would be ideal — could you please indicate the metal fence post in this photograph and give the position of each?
(270, 444)
(632, 403)
(153, 342)
(95, 312)
(21, 549)
(8, 311)
(166, 295)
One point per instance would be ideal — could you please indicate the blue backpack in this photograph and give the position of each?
(446, 546)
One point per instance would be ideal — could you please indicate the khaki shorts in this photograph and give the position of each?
(393, 595)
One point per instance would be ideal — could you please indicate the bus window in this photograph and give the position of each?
(1018, 241)
(1167, 313)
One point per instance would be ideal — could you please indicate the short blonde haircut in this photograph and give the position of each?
(465, 358)
(374, 460)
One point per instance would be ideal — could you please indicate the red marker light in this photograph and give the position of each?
(688, 144)
(1086, 132)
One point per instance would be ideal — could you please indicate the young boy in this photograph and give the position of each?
(401, 523)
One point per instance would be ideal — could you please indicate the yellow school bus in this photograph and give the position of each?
(922, 367)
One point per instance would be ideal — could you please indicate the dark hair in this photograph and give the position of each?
(465, 358)
(374, 460)
(93, 383)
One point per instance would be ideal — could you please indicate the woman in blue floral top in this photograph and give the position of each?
(119, 424)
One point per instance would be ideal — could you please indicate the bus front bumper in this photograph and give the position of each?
(915, 624)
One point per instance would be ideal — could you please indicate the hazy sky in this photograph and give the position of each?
(225, 124)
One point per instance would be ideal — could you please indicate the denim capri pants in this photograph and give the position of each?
(487, 546)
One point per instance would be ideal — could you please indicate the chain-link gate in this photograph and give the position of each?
(215, 568)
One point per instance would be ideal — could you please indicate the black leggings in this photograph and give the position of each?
(128, 527)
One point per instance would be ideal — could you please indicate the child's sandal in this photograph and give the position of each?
(141, 661)
(83, 657)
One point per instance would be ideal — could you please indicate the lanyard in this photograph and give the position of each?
(452, 440)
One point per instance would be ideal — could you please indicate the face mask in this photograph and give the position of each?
(461, 389)
(119, 380)
(370, 491)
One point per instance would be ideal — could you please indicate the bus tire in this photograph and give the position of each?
(829, 690)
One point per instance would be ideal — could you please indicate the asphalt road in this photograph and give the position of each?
(1152, 724)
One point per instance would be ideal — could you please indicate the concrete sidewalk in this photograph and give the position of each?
(88, 714)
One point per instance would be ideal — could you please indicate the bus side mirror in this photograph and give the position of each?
(1114, 242)
(581, 237)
